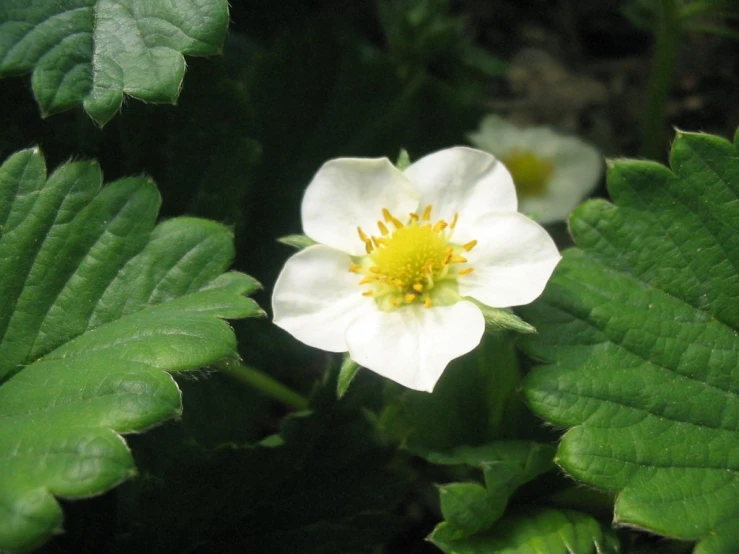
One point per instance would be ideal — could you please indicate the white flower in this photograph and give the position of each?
(403, 257)
(552, 172)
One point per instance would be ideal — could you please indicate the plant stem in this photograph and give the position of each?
(666, 43)
(267, 385)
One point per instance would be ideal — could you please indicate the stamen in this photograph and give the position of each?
(427, 302)
(355, 268)
(362, 235)
(409, 297)
(368, 293)
(383, 228)
(390, 219)
(466, 271)
(398, 282)
(426, 213)
(414, 216)
(374, 269)
(458, 259)
(453, 224)
(418, 287)
(366, 280)
(470, 245)
(368, 246)
(440, 225)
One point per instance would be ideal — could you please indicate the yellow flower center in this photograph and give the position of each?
(412, 262)
(530, 173)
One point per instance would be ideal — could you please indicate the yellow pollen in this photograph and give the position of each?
(413, 262)
(470, 245)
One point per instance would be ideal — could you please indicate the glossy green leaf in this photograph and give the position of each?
(96, 51)
(541, 531)
(97, 303)
(640, 326)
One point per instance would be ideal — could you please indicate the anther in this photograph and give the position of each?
(466, 271)
(368, 293)
(426, 213)
(453, 224)
(374, 269)
(470, 245)
(382, 227)
(410, 297)
(368, 246)
(355, 268)
(440, 225)
(418, 287)
(458, 259)
(387, 215)
(362, 235)
(414, 216)
(427, 302)
(366, 280)
(398, 282)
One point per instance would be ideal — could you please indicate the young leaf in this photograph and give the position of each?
(470, 508)
(540, 530)
(95, 51)
(96, 304)
(640, 323)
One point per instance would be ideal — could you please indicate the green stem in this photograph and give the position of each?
(267, 385)
(667, 41)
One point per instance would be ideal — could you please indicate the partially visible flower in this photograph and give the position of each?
(552, 172)
(404, 259)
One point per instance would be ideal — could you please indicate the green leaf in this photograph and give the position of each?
(95, 51)
(470, 507)
(640, 326)
(540, 531)
(97, 304)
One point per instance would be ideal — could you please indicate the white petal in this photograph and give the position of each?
(512, 261)
(351, 192)
(413, 345)
(316, 298)
(465, 181)
(496, 135)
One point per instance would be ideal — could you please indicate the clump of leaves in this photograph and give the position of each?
(645, 370)
(98, 304)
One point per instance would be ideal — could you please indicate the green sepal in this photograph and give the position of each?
(503, 319)
(349, 370)
(404, 160)
(297, 241)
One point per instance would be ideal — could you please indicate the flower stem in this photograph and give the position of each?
(666, 43)
(267, 385)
